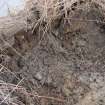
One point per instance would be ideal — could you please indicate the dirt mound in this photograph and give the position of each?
(58, 59)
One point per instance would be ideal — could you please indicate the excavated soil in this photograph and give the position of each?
(66, 62)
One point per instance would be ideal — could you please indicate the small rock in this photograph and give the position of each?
(38, 76)
(82, 43)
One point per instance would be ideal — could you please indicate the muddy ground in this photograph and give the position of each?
(61, 65)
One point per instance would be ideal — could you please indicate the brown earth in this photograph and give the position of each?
(62, 61)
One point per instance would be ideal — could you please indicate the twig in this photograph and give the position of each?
(49, 98)
(18, 53)
(11, 92)
(85, 20)
(8, 70)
